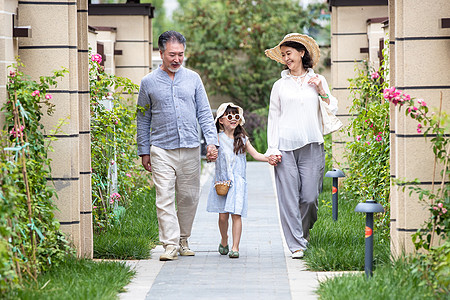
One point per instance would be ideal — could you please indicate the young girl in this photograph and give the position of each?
(231, 165)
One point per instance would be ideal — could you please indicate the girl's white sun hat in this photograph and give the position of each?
(223, 107)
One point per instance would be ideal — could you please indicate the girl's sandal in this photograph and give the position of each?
(223, 250)
(233, 254)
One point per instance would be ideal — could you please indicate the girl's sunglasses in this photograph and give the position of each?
(231, 117)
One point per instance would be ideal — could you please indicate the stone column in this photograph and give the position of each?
(8, 45)
(59, 31)
(419, 65)
(86, 247)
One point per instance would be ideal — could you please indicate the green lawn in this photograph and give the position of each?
(394, 281)
(339, 245)
(77, 279)
(136, 234)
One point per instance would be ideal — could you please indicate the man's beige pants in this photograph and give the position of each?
(176, 174)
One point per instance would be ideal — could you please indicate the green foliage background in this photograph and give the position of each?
(226, 42)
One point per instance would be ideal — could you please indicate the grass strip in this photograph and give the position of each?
(391, 281)
(135, 235)
(77, 279)
(339, 245)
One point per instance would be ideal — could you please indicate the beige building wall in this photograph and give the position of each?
(350, 36)
(86, 248)
(8, 45)
(60, 40)
(419, 64)
(107, 37)
(133, 36)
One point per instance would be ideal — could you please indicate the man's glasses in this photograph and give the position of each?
(231, 117)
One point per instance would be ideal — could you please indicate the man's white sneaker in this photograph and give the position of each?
(170, 253)
(184, 248)
(297, 254)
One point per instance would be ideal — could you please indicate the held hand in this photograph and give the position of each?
(274, 159)
(146, 162)
(212, 152)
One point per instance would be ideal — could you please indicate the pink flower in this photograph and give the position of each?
(375, 75)
(94, 207)
(368, 143)
(18, 133)
(48, 97)
(358, 137)
(435, 208)
(35, 93)
(395, 96)
(128, 175)
(424, 103)
(96, 57)
(111, 201)
(12, 74)
(440, 205)
(419, 128)
(378, 138)
(444, 210)
(371, 125)
(112, 162)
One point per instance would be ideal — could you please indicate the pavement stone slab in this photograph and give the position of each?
(264, 270)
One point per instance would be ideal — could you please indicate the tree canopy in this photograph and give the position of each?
(226, 41)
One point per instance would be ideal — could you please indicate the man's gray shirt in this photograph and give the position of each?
(169, 111)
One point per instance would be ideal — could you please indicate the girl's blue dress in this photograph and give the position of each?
(229, 166)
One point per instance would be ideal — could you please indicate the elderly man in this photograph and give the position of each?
(172, 101)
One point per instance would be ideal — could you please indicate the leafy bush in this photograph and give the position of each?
(115, 172)
(30, 237)
(368, 175)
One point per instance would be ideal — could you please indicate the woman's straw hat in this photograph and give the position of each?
(307, 41)
(223, 107)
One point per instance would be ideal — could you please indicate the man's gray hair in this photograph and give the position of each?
(170, 36)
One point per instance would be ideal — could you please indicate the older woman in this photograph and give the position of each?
(295, 136)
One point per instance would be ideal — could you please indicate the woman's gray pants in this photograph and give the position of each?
(299, 179)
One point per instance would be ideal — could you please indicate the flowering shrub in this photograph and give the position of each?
(438, 201)
(30, 239)
(113, 146)
(434, 264)
(368, 174)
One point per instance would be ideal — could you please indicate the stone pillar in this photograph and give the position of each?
(86, 247)
(419, 65)
(8, 45)
(349, 45)
(59, 34)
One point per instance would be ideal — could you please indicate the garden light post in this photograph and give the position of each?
(335, 174)
(369, 207)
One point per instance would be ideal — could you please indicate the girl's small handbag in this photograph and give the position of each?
(222, 187)
(330, 122)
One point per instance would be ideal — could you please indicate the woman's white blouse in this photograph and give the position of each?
(294, 119)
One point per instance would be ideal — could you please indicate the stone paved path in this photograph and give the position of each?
(264, 270)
